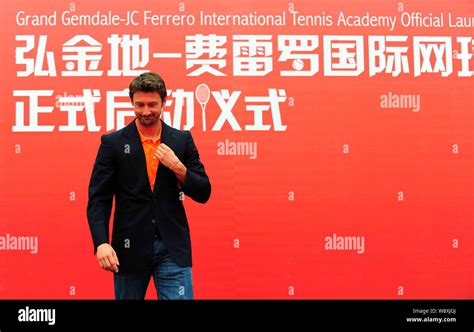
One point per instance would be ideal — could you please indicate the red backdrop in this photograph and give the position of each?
(346, 162)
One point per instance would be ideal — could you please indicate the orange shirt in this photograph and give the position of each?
(150, 146)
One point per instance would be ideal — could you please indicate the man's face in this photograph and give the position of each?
(147, 106)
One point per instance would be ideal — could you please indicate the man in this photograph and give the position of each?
(148, 167)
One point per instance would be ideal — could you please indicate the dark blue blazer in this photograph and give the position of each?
(120, 171)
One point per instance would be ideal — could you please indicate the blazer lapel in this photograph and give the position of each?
(137, 155)
(166, 138)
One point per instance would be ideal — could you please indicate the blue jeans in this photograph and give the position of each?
(172, 282)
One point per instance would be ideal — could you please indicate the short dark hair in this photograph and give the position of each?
(148, 82)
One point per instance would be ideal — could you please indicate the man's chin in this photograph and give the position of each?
(149, 122)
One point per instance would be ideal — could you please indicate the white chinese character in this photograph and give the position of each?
(206, 52)
(349, 53)
(299, 48)
(467, 43)
(34, 65)
(116, 119)
(181, 99)
(82, 60)
(252, 55)
(426, 48)
(72, 105)
(226, 103)
(134, 52)
(392, 58)
(34, 110)
(272, 102)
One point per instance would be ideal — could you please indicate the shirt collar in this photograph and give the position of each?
(143, 138)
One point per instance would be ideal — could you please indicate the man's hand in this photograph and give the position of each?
(166, 156)
(107, 257)
(169, 159)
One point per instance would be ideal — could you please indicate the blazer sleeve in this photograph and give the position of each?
(196, 184)
(101, 192)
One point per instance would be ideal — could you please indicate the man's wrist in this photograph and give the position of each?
(175, 166)
(179, 170)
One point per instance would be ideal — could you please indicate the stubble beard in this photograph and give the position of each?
(149, 121)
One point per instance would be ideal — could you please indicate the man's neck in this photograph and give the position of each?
(149, 131)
